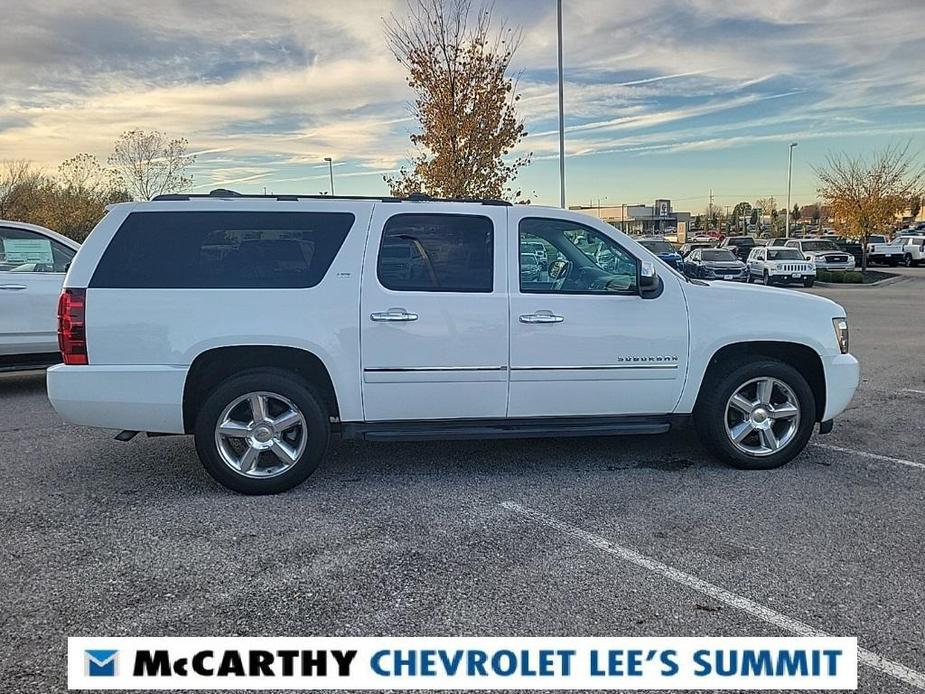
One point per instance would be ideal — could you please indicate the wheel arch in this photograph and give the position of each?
(213, 366)
(802, 357)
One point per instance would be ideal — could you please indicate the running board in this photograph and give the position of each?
(533, 427)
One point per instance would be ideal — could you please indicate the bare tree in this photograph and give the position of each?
(148, 164)
(866, 194)
(458, 67)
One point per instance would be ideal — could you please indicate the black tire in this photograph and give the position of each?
(767, 279)
(748, 278)
(809, 282)
(907, 260)
(278, 381)
(710, 412)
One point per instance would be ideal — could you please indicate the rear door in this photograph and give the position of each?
(32, 268)
(434, 338)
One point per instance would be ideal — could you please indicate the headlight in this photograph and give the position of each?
(841, 333)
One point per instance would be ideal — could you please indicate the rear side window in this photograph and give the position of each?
(437, 253)
(222, 250)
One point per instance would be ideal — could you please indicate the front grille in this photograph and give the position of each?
(793, 267)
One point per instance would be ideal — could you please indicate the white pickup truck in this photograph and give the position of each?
(908, 249)
(265, 326)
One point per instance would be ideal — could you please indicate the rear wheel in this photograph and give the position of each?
(262, 432)
(758, 416)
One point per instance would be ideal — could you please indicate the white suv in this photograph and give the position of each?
(266, 325)
(777, 265)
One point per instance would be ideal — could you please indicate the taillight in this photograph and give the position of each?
(72, 327)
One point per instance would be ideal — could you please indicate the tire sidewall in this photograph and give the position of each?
(710, 416)
(283, 383)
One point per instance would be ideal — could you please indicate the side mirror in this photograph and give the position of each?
(650, 286)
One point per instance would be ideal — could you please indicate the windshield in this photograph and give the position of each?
(717, 255)
(741, 241)
(658, 246)
(784, 254)
(820, 246)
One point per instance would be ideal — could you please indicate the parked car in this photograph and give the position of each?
(529, 267)
(908, 250)
(540, 251)
(33, 261)
(287, 333)
(776, 265)
(686, 248)
(664, 250)
(740, 245)
(714, 264)
(824, 254)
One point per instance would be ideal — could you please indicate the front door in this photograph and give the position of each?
(434, 313)
(583, 340)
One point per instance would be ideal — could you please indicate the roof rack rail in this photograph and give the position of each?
(414, 197)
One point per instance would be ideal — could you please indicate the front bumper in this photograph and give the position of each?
(849, 265)
(842, 376)
(139, 398)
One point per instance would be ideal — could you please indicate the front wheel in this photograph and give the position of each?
(758, 416)
(767, 279)
(808, 282)
(262, 432)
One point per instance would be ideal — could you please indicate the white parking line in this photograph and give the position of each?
(912, 390)
(872, 456)
(865, 657)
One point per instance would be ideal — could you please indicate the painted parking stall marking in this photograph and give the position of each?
(782, 621)
(871, 456)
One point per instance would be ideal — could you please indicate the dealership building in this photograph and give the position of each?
(655, 219)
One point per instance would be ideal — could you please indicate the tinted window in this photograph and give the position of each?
(785, 254)
(741, 241)
(222, 250)
(22, 250)
(437, 253)
(718, 255)
(820, 246)
(658, 246)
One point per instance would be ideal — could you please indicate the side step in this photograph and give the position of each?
(538, 427)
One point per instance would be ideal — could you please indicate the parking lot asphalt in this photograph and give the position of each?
(499, 538)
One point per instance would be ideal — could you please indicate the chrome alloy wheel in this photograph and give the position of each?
(762, 416)
(261, 434)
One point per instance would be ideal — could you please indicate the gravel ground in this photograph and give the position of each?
(134, 539)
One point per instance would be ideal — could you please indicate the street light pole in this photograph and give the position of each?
(330, 172)
(561, 110)
(789, 181)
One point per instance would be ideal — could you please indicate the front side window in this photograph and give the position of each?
(22, 250)
(581, 260)
(437, 253)
(222, 250)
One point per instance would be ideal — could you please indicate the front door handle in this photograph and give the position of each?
(12, 287)
(393, 315)
(541, 317)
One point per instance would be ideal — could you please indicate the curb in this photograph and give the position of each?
(873, 285)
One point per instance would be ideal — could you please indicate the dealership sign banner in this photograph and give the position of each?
(462, 663)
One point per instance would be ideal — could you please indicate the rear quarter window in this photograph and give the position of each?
(222, 250)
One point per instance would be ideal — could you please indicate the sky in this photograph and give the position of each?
(663, 98)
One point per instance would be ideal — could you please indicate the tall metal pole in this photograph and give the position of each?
(330, 172)
(561, 110)
(789, 181)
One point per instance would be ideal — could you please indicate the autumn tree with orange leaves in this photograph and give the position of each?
(458, 65)
(866, 194)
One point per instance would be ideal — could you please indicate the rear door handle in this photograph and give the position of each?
(12, 287)
(393, 315)
(541, 317)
